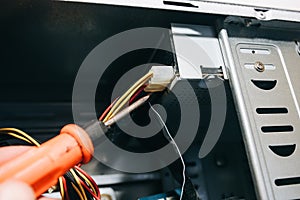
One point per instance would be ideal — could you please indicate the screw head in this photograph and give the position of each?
(259, 66)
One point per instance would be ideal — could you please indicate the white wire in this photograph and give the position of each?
(176, 147)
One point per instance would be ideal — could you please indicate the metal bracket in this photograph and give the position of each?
(264, 76)
(208, 72)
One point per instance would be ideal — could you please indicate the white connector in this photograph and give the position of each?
(162, 77)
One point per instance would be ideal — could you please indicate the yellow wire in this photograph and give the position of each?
(78, 192)
(33, 141)
(62, 193)
(17, 136)
(88, 181)
(134, 87)
(127, 99)
(25, 137)
(78, 182)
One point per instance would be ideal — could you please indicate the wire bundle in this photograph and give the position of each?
(128, 97)
(75, 184)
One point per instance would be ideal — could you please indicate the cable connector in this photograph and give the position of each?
(162, 77)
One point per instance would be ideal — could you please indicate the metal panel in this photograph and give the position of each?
(258, 9)
(275, 4)
(268, 135)
(196, 47)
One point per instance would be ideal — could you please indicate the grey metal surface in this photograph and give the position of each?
(111, 179)
(247, 8)
(196, 47)
(106, 194)
(272, 169)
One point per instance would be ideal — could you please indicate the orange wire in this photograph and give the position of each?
(107, 109)
(65, 188)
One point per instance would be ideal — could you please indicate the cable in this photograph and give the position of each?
(125, 97)
(22, 133)
(77, 191)
(136, 94)
(92, 182)
(176, 147)
(126, 110)
(65, 187)
(19, 137)
(107, 109)
(87, 180)
(61, 188)
(78, 182)
(128, 97)
(87, 188)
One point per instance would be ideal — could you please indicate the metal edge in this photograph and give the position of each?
(262, 190)
(206, 7)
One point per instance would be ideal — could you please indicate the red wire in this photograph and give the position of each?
(65, 188)
(137, 93)
(89, 189)
(90, 179)
(107, 109)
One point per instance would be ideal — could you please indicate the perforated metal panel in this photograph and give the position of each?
(265, 75)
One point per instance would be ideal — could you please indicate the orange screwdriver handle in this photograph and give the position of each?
(40, 167)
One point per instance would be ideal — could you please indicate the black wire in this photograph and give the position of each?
(87, 192)
(71, 191)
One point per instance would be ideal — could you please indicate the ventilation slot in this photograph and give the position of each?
(270, 129)
(255, 51)
(287, 181)
(252, 66)
(271, 110)
(283, 150)
(182, 4)
(264, 85)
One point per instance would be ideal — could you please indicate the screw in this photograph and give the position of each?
(259, 66)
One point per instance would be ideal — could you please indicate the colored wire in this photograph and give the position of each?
(78, 182)
(94, 190)
(176, 147)
(126, 99)
(22, 133)
(92, 182)
(65, 187)
(123, 98)
(136, 94)
(107, 109)
(87, 181)
(77, 191)
(127, 110)
(19, 137)
(89, 190)
(61, 187)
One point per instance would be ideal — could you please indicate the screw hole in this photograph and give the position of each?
(253, 52)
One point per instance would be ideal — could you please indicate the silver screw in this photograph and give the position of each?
(259, 66)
